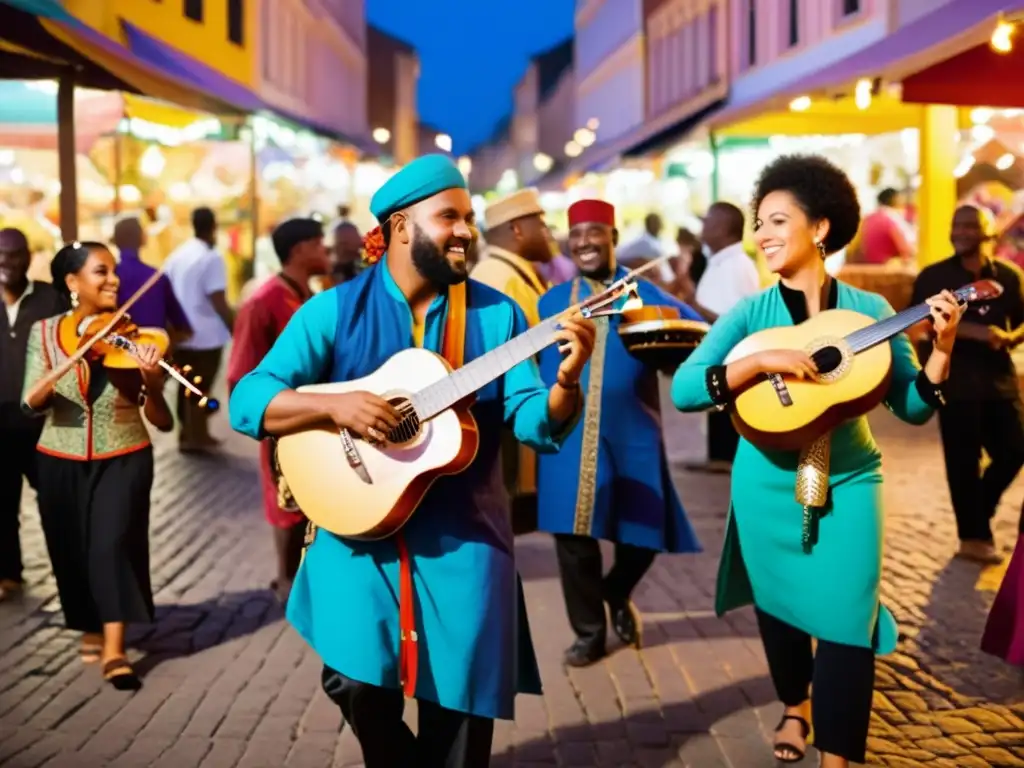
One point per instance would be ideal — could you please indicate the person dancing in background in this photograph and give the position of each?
(299, 244)
(95, 464)
(610, 480)
(802, 585)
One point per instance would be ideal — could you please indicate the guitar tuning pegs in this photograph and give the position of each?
(186, 368)
(196, 380)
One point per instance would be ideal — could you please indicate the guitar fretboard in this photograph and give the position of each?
(874, 334)
(480, 372)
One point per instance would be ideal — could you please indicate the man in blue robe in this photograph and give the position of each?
(611, 479)
(471, 636)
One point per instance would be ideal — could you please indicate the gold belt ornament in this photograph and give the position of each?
(812, 485)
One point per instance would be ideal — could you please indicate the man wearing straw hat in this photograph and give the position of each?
(518, 240)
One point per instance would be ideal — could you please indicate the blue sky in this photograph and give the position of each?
(472, 53)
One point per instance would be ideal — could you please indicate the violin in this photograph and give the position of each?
(114, 340)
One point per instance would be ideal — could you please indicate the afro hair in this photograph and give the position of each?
(821, 190)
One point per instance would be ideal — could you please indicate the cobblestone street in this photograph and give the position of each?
(227, 683)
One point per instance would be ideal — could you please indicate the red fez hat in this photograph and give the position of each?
(591, 212)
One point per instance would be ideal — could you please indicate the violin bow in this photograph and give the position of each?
(79, 353)
(116, 318)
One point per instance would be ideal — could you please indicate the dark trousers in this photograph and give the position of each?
(446, 739)
(586, 592)
(723, 439)
(841, 679)
(19, 464)
(95, 517)
(204, 363)
(966, 428)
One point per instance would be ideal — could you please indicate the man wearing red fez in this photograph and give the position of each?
(610, 480)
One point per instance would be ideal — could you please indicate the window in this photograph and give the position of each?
(236, 22)
(194, 10)
(851, 7)
(751, 32)
(794, 22)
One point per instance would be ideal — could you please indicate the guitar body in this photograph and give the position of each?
(853, 388)
(332, 494)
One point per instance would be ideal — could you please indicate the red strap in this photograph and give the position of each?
(453, 349)
(408, 657)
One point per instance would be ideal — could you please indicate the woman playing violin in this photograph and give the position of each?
(95, 459)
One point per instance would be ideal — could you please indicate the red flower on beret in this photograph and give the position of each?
(373, 246)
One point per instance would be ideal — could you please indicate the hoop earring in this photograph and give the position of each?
(74, 300)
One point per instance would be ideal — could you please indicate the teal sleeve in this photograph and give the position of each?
(905, 397)
(689, 384)
(526, 402)
(300, 356)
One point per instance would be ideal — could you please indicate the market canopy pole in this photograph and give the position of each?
(66, 156)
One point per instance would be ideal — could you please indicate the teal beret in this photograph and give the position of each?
(422, 178)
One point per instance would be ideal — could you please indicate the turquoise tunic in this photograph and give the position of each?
(832, 592)
(475, 652)
(611, 480)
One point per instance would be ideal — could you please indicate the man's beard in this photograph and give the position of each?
(431, 262)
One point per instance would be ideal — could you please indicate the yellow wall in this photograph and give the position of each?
(165, 20)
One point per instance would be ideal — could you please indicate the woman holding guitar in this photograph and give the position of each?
(826, 585)
(95, 457)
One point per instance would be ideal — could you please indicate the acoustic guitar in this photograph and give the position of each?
(362, 490)
(782, 412)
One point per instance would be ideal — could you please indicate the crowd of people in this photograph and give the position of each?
(570, 441)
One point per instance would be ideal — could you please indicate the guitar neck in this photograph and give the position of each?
(478, 373)
(884, 330)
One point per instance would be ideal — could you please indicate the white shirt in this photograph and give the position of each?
(12, 309)
(730, 276)
(196, 270)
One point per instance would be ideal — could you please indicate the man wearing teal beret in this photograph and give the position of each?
(458, 640)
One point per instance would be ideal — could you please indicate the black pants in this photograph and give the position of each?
(18, 465)
(192, 419)
(843, 679)
(967, 427)
(723, 439)
(581, 569)
(95, 517)
(446, 739)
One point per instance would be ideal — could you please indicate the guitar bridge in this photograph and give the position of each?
(781, 390)
(348, 445)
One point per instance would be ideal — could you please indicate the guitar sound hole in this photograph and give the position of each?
(409, 427)
(827, 359)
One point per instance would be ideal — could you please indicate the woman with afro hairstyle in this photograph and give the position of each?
(824, 584)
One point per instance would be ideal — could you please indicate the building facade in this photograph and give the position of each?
(609, 67)
(312, 62)
(544, 112)
(222, 34)
(391, 95)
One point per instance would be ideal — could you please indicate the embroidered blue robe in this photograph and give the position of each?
(475, 651)
(611, 479)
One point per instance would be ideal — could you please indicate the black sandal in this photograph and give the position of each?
(120, 674)
(782, 746)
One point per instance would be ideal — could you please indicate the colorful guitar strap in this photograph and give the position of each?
(453, 349)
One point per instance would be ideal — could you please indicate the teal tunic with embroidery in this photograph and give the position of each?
(475, 652)
(832, 593)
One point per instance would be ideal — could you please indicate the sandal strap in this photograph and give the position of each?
(804, 725)
(114, 665)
